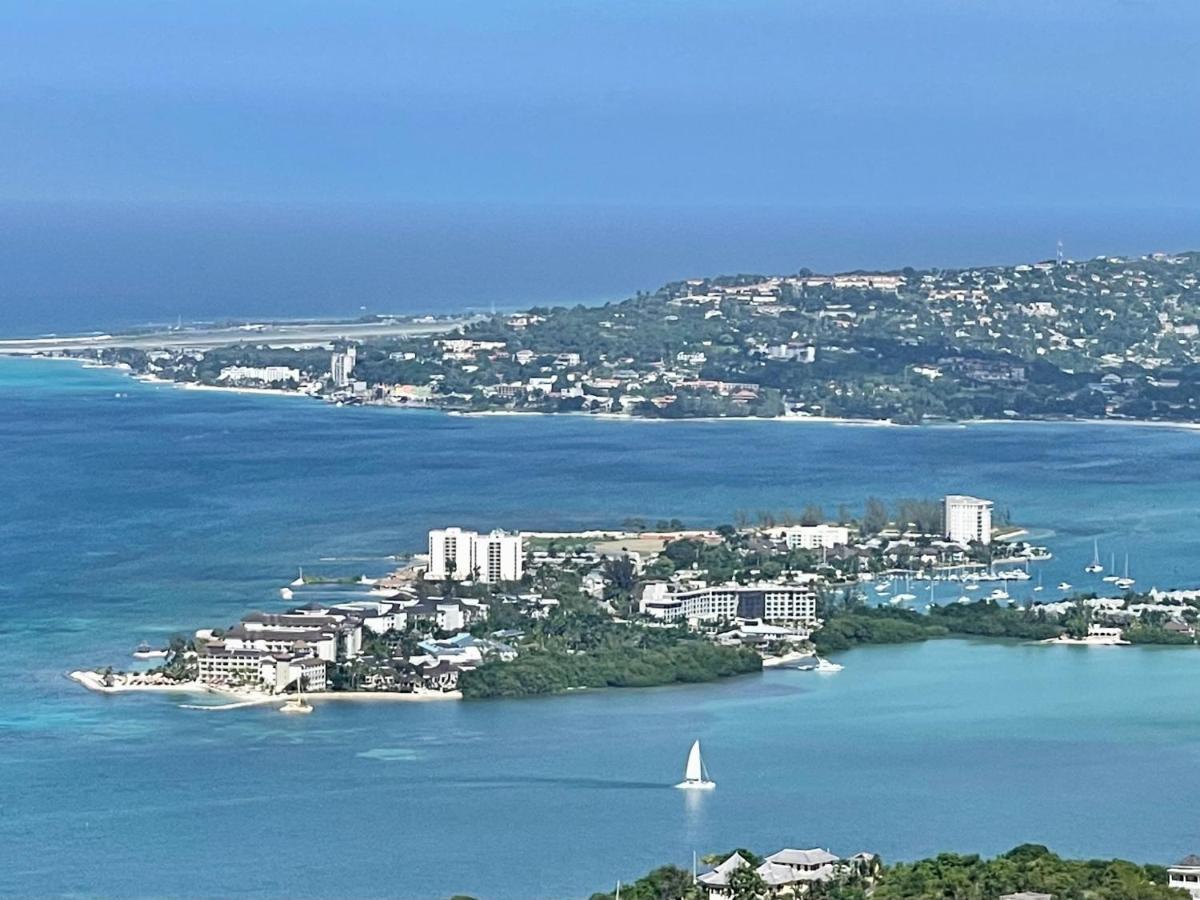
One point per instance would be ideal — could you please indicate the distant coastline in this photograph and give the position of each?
(618, 417)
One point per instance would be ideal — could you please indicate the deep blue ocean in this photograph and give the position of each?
(84, 267)
(132, 511)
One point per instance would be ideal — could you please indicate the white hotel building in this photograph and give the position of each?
(966, 519)
(783, 604)
(470, 556)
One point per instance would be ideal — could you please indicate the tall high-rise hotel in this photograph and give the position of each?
(966, 519)
(470, 556)
(341, 366)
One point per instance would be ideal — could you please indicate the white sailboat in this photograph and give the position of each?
(299, 581)
(297, 704)
(1094, 566)
(695, 776)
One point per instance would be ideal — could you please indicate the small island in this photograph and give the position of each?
(499, 614)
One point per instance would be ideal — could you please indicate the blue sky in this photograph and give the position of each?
(847, 102)
(837, 107)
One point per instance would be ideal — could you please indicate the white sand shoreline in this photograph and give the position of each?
(94, 681)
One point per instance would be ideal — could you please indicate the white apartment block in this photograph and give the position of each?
(811, 537)
(966, 519)
(469, 556)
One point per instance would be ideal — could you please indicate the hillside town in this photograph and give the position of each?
(1104, 338)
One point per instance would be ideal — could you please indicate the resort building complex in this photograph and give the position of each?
(303, 647)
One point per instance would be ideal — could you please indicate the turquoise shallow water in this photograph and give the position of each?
(133, 517)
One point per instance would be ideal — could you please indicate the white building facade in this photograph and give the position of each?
(469, 556)
(265, 374)
(1185, 876)
(812, 537)
(966, 519)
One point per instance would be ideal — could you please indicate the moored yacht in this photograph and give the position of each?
(1112, 569)
(1094, 566)
(1125, 582)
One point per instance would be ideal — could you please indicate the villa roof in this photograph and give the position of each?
(775, 874)
(814, 857)
(719, 876)
(1191, 861)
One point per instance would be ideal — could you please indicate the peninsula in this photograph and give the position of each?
(1109, 338)
(501, 614)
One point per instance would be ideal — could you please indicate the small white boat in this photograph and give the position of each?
(904, 598)
(1094, 566)
(299, 582)
(998, 594)
(286, 593)
(972, 587)
(824, 665)
(145, 651)
(964, 599)
(1064, 585)
(695, 776)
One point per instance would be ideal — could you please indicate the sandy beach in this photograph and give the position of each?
(244, 699)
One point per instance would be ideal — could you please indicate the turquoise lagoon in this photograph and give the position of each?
(132, 511)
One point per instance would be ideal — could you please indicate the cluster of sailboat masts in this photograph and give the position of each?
(971, 580)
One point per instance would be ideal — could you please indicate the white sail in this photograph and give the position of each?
(695, 768)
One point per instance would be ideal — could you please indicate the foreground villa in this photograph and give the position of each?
(788, 872)
(1185, 875)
